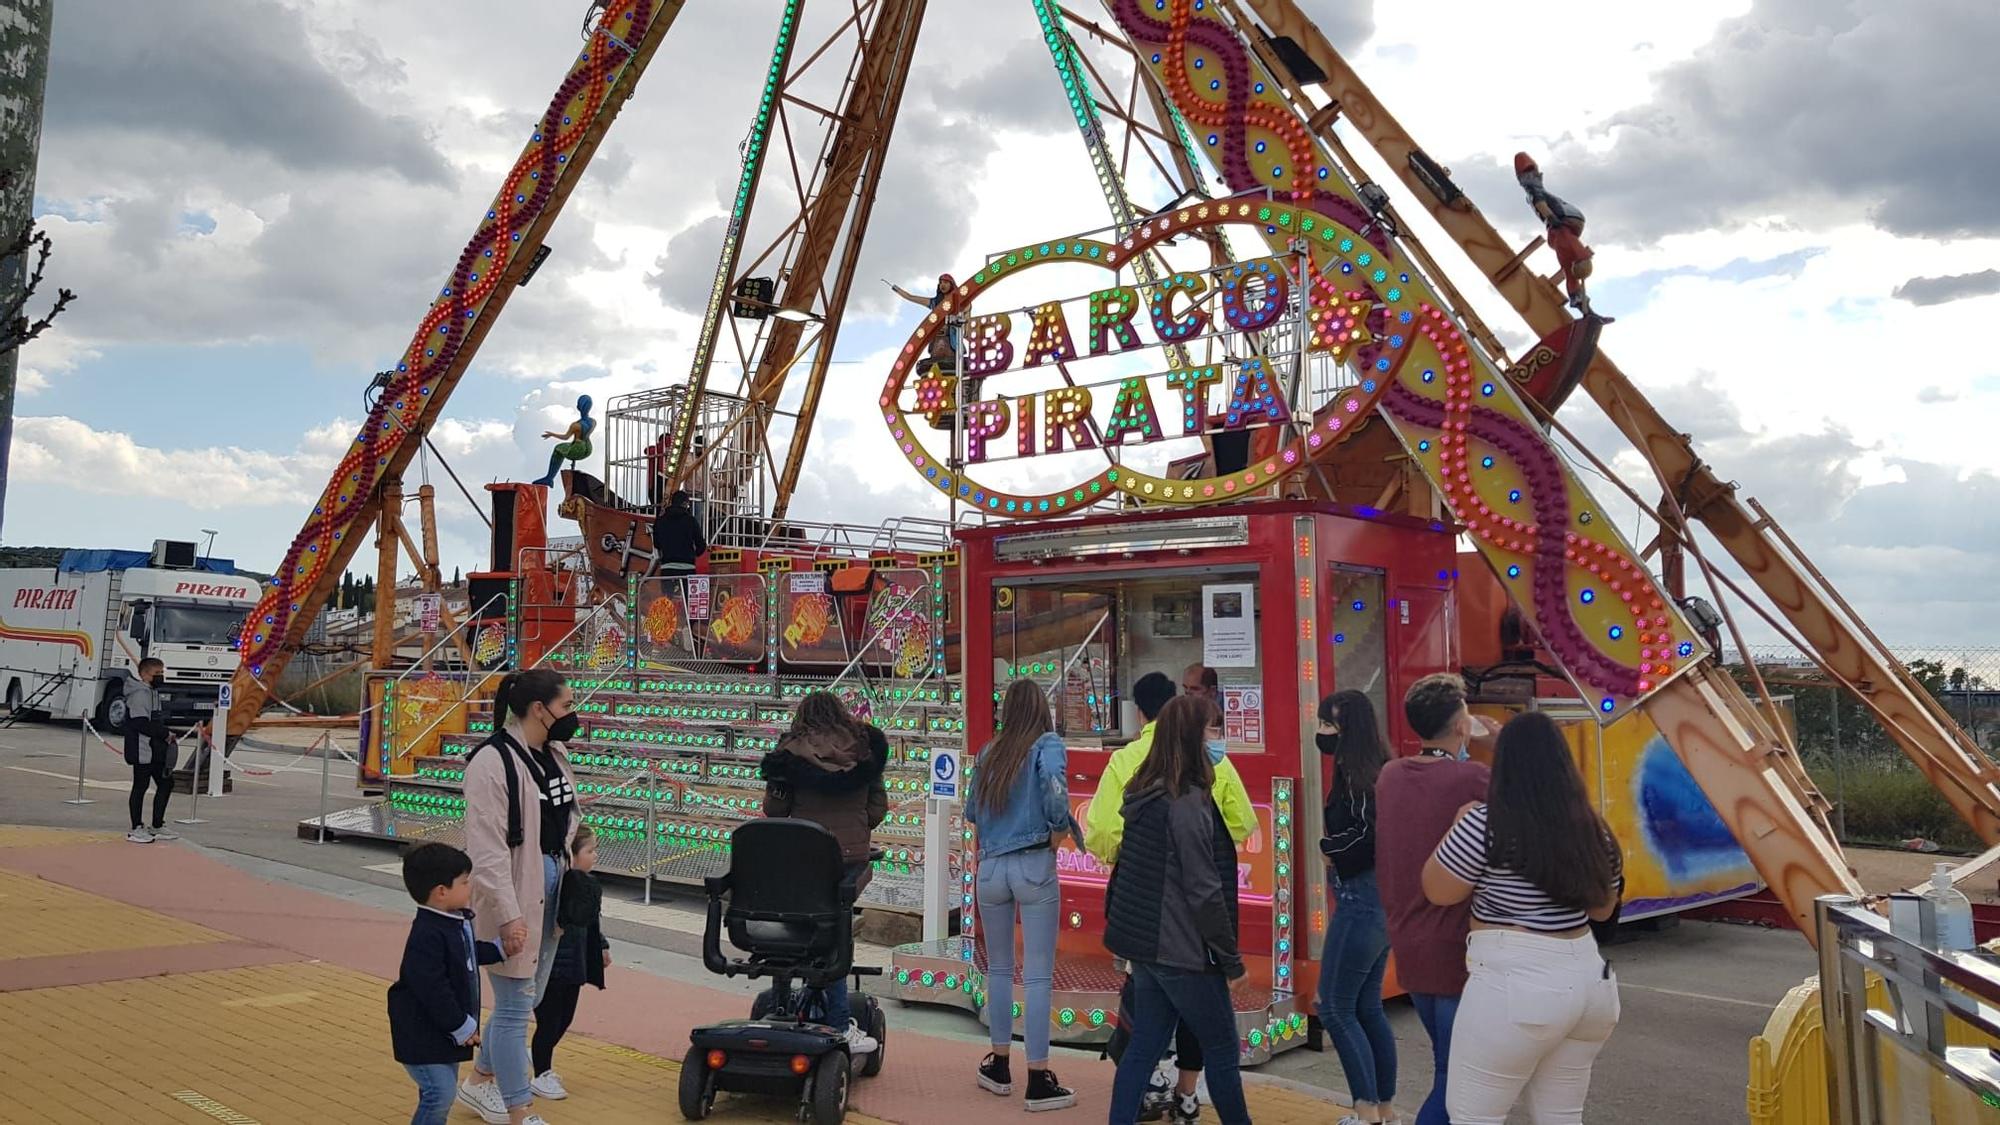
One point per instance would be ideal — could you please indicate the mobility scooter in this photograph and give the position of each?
(785, 904)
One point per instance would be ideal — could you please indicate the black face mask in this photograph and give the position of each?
(1327, 743)
(564, 729)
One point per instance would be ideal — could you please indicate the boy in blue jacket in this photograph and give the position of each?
(434, 1004)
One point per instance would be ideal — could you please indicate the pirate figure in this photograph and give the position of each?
(576, 440)
(1565, 230)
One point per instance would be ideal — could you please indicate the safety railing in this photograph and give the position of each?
(1910, 1029)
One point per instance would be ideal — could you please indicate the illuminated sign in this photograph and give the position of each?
(1259, 325)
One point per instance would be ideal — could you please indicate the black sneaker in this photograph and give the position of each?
(996, 1076)
(1185, 1110)
(1045, 1093)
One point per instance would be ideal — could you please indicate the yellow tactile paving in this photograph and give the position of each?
(189, 1048)
(45, 919)
(28, 836)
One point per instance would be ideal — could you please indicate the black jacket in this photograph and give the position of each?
(677, 537)
(1349, 839)
(833, 780)
(1172, 896)
(437, 988)
(580, 912)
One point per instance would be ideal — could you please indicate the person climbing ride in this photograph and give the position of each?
(576, 440)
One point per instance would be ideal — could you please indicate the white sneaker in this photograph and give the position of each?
(548, 1085)
(859, 1042)
(139, 836)
(484, 1099)
(164, 834)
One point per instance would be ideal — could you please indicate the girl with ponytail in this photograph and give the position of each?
(520, 819)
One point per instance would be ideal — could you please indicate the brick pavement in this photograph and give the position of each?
(165, 986)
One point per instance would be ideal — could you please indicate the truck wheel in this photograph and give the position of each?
(111, 712)
(13, 696)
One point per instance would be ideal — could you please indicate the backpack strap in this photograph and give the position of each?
(504, 743)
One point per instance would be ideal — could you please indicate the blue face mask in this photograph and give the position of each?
(1217, 749)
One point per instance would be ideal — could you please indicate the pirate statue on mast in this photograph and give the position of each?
(1564, 224)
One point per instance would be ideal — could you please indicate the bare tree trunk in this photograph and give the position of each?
(24, 75)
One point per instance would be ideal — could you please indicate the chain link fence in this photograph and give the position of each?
(1879, 797)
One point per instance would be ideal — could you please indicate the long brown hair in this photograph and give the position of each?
(822, 712)
(1539, 819)
(1179, 757)
(1024, 717)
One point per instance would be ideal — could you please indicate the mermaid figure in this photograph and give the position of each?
(576, 440)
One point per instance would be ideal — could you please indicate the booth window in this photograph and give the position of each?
(1087, 639)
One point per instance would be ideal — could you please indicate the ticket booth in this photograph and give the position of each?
(1287, 601)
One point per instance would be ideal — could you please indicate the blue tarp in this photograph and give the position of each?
(91, 562)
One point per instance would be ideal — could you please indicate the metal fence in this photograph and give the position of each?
(1879, 797)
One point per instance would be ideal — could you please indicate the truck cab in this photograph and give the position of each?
(189, 620)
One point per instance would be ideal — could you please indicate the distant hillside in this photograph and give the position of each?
(15, 558)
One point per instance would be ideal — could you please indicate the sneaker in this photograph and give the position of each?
(139, 836)
(164, 834)
(858, 1041)
(1185, 1109)
(996, 1075)
(1045, 1093)
(1158, 1099)
(548, 1085)
(484, 1099)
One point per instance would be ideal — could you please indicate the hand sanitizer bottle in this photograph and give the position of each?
(1954, 911)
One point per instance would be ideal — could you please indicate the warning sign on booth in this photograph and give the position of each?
(1243, 714)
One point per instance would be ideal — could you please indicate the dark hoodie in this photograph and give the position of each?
(1172, 897)
(833, 779)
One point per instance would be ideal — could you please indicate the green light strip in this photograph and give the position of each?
(732, 238)
(1084, 108)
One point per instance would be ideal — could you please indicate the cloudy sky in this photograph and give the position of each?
(1793, 203)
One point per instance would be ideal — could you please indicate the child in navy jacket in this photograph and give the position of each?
(434, 1004)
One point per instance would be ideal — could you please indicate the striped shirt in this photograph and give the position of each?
(1502, 897)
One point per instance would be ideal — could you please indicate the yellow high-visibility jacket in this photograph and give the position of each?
(1104, 825)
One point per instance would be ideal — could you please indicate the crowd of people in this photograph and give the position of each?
(1485, 884)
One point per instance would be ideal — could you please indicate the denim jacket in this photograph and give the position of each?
(1037, 806)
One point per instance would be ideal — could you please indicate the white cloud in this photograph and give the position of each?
(337, 251)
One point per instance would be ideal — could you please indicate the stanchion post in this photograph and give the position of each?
(652, 826)
(82, 753)
(194, 784)
(325, 744)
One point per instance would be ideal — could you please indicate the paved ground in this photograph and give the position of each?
(325, 920)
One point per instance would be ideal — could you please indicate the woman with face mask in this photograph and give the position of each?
(520, 818)
(1357, 936)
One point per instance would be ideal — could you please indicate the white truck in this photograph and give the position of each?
(70, 636)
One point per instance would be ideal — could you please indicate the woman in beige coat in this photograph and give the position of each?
(520, 817)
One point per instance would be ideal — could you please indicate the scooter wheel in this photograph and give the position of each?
(828, 1093)
(878, 1028)
(697, 1093)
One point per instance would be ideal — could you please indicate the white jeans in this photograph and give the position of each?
(1536, 1011)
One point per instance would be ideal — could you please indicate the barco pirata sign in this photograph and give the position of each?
(1193, 354)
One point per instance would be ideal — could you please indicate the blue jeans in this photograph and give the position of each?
(503, 1050)
(838, 1014)
(1350, 989)
(1023, 881)
(1437, 1014)
(1162, 997)
(437, 1088)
